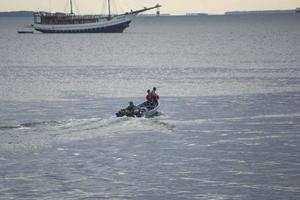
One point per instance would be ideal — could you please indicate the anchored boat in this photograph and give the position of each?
(70, 23)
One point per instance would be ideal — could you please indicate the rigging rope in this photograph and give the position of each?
(76, 7)
(115, 8)
(103, 8)
(66, 6)
(50, 6)
(121, 8)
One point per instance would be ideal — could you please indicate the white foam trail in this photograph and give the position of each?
(45, 134)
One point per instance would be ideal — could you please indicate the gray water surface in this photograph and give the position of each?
(228, 126)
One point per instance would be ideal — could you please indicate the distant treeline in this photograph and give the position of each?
(16, 14)
(260, 12)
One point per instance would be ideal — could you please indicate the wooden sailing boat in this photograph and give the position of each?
(70, 23)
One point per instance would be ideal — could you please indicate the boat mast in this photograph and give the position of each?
(71, 7)
(109, 14)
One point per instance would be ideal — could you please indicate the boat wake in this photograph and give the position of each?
(30, 125)
(48, 133)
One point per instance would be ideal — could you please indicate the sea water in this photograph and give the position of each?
(228, 126)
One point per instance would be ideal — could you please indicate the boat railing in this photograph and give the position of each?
(61, 18)
(63, 15)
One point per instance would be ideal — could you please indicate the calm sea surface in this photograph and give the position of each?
(229, 123)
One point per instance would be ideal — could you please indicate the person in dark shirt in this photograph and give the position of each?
(133, 110)
(131, 107)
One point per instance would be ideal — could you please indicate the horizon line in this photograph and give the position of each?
(183, 14)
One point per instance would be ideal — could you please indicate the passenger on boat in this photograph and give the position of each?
(131, 108)
(154, 95)
(149, 97)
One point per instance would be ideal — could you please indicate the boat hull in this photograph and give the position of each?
(117, 25)
(150, 112)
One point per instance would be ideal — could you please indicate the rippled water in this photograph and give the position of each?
(228, 126)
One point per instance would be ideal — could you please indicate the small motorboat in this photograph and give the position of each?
(144, 109)
(25, 32)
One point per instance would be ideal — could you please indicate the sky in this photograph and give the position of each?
(169, 6)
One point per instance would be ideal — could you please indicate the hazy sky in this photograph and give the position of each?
(169, 6)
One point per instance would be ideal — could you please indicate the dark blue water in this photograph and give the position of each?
(229, 119)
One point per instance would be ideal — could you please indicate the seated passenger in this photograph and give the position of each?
(133, 110)
(130, 109)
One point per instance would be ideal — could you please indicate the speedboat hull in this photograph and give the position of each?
(153, 111)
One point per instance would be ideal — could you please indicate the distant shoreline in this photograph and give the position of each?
(257, 12)
(16, 14)
(261, 12)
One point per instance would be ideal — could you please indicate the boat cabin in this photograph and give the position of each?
(62, 18)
